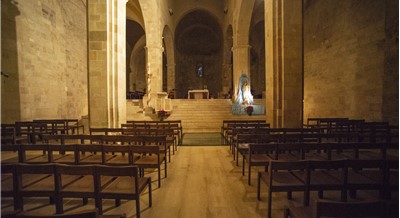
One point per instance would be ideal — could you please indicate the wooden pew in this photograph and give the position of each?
(226, 123)
(32, 130)
(9, 135)
(74, 126)
(74, 181)
(328, 124)
(257, 155)
(106, 131)
(34, 180)
(58, 181)
(280, 178)
(8, 184)
(341, 175)
(127, 185)
(171, 123)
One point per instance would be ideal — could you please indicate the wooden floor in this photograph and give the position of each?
(203, 181)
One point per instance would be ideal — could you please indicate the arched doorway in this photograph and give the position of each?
(198, 42)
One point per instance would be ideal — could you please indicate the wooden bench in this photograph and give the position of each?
(9, 135)
(225, 123)
(106, 131)
(263, 136)
(170, 123)
(306, 176)
(58, 181)
(326, 123)
(280, 178)
(62, 126)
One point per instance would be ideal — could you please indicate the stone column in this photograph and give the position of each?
(284, 62)
(171, 76)
(241, 65)
(154, 73)
(107, 70)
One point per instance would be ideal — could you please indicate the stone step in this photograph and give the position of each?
(197, 115)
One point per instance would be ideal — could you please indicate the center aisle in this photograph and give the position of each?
(202, 138)
(203, 182)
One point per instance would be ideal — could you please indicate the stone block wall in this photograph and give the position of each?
(344, 60)
(186, 77)
(45, 58)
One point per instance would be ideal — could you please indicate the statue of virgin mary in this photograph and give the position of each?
(243, 94)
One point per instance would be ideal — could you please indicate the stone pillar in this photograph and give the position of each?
(107, 70)
(284, 62)
(153, 74)
(241, 65)
(171, 76)
(227, 78)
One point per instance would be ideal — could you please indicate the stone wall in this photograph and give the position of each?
(186, 77)
(344, 60)
(45, 58)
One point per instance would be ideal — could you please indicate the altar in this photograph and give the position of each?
(198, 94)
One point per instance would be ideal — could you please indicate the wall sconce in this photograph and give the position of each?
(171, 12)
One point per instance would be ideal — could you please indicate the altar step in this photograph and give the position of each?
(205, 115)
(197, 115)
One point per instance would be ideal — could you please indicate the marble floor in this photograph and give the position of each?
(203, 181)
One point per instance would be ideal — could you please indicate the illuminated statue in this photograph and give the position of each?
(244, 94)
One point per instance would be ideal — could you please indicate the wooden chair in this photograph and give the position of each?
(365, 175)
(89, 154)
(34, 180)
(150, 157)
(10, 154)
(325, 208)
(29, 156)
(258, 155)
(391, 177)
(74, 181)
(118, 155)
(24, 129)
(323, 176)
(126, 184)
(242, 142)
(82, 139)
(63, 154)
(280, 178)
(52, 139)
(74, 125)
(9, 135)
(106, 131)
(164, 139)
(8, 183)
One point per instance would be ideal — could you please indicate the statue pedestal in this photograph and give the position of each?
(240, 109)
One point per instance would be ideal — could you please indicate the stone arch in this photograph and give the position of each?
(135, 39)
(135, 42)
(257, 59)
(137, 66)
(198, 40)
